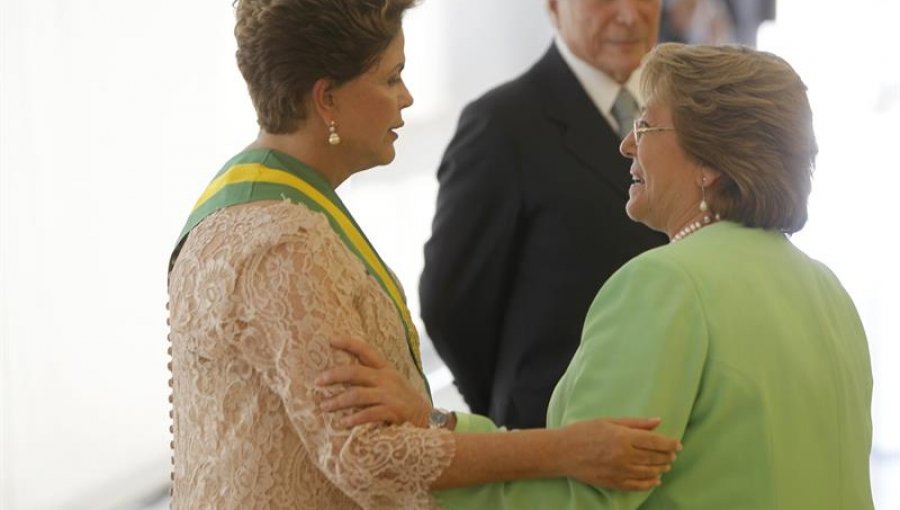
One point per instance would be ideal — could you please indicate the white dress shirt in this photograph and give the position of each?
(600, 87)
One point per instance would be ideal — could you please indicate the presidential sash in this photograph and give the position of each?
(264, 174)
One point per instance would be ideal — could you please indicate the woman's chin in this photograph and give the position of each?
(388, 158)
(383, 158)
(388, 154)
(633, 210)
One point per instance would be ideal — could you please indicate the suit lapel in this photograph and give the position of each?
(586, 133)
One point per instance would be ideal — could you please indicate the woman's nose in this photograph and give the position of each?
(626, 148)
(407, 99)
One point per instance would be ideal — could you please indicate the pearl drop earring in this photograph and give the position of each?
(703, 205)
(333, 137)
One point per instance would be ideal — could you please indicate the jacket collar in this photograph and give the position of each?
(586, 133)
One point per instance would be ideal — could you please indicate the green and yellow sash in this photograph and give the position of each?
(264, 174)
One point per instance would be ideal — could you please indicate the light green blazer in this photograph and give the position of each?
(752, 354)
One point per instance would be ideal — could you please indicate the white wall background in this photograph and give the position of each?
(114, 114)
(847, 57)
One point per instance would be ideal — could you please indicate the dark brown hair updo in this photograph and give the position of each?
(284, 46)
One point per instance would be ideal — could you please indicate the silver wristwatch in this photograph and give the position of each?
(439, 418)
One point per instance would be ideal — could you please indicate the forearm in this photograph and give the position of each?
(495, 457)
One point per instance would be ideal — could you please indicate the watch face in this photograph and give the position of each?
(438, 419)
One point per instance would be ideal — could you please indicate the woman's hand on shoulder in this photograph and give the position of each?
(621, 454)
(373, 388)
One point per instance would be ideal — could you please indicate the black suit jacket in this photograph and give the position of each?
(530, 222)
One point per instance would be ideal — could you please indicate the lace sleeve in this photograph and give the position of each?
(292, 298)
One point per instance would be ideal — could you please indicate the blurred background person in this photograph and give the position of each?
(530, 217)
(697, 22)
(748, 16)
(714, 21)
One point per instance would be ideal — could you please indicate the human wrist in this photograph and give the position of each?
(561, 441)
(553, 451)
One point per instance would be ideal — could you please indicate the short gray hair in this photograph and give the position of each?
(746, 114)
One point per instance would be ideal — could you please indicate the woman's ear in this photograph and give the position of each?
(708, 176)
(323, 99)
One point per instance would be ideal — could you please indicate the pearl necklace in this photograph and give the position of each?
(691, 228)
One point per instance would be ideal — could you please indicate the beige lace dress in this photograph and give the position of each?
(256, 293)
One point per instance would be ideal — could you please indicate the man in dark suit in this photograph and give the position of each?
(531, 217)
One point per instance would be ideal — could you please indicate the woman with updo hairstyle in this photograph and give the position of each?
(271, 277)
(750, 351)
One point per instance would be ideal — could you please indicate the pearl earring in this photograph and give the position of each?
(703, 205)
(333, 137)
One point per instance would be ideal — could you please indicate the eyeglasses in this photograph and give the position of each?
(639, 130)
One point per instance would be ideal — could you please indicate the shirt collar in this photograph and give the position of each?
(600, 87)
